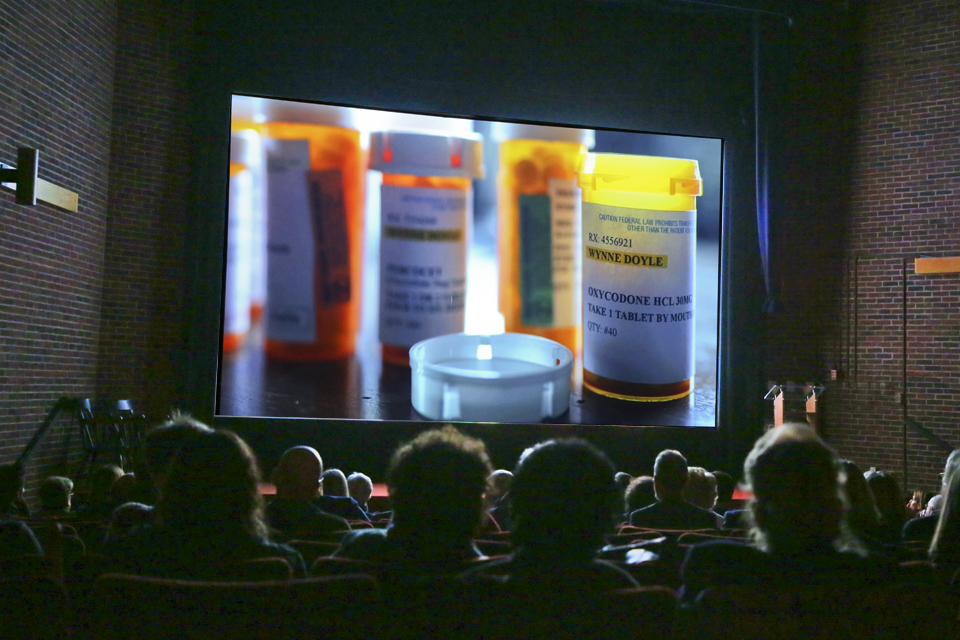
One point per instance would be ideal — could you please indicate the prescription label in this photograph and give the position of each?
(423, 262)
(331, 242)
(236, 303)
(549, 256)
(638, 284)
(290, 312)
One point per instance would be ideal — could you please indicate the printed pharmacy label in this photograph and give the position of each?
(290, 313)
(549, 255)
(639, 272)
(236, 303)
(331, 243)
(423, 262)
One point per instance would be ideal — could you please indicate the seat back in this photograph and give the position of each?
(270, 568)
(33, 607)
(890, 612)
(495, 611)
(128, 606)
(313, 549)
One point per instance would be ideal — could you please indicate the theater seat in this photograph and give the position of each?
(128, 606)
(892, 612)
(257, 569)
(32, 607)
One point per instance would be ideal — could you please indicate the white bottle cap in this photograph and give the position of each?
(307, 113)
(510, 377)
(501, 131)
(427, 154)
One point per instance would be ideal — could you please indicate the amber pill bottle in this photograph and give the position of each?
(315, 196)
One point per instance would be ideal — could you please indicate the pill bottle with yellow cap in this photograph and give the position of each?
(237, 284)
(315, 193)
(538, 209)
(639, 225)
(426, 219)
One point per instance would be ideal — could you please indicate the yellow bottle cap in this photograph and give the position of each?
(639, 174)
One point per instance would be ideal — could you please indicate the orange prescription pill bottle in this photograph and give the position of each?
(538, 207)
(426, 217)
(236, 288)
(315, 192)
(639, 229)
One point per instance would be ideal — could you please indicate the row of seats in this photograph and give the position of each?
(350, 606)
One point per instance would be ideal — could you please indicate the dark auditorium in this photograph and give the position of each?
(280, 357)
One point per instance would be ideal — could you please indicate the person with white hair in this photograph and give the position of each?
(922, 527)
(799, 530)
(360, 487)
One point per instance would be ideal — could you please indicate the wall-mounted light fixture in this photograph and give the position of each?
(29, 187)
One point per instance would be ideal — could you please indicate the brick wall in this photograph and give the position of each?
(141, 324)
(56, 89)
(904, 204)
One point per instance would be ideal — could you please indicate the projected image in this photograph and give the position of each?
(383, 265)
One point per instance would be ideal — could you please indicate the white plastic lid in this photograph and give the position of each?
(427, 154)
(509, 377)
(306, 113)
(501, 131)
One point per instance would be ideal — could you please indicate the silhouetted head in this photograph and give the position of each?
(55, 494)
(639, 494)
(436, 483)
(334, 483)
(298, 474)
(11, 484)
(564, 499)
(862, 514)
(162, 442)
(701, 488)
(725, 486)
(213, 485)
(888, 498)
(360, 486)
(670, 474)
(946, 539)
(101, 479)
(795, 480)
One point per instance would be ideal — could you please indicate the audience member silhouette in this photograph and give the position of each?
(436, 483)
(671, 511)
(208, 515)
(640, 493)
(16, 538)
(862, 515)
(889, 500)
(623, 480)
(922, 528)
(335, 483)
(565, 499)
(725, 488)
(360, 487)
(497, 499)
(160, 444)
(292, 512)
(11, 491)
(335, 498)
(100, 501)
(945, 545)
(800, 537)
(701, 489)
(55, 495)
